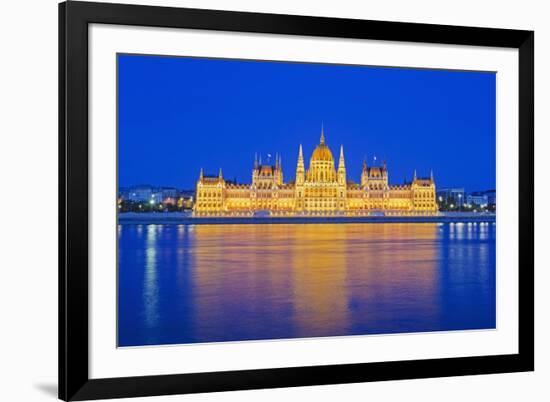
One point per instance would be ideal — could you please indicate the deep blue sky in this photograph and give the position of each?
(177, 115)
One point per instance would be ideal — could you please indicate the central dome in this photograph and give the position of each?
(322, 152)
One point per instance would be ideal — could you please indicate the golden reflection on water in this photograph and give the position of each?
(317, 277)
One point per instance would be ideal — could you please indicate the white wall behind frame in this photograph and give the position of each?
(28, 157)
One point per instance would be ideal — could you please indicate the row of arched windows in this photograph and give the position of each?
(209, 194)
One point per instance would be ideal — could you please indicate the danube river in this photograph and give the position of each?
(215, 283)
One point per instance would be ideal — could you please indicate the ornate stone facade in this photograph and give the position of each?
(321, 190)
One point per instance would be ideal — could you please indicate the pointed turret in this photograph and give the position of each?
(322, 139)
(431, 175)
(201, 175)
(278, 170)
(220, 176)
(342, 167)
(341, 162)
(255, 160)
(364, 173)
(300, 169)
(414, 176)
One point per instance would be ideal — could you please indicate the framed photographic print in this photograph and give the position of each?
(257, 200)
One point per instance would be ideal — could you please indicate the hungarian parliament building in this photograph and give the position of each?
(320, 190)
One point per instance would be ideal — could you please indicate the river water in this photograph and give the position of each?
(213, 283)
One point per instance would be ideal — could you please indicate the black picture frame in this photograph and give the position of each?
(74, 381)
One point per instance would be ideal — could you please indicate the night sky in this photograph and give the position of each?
(178, 114)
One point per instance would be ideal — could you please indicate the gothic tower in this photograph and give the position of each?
(342, 181)
(342, 168)
(300, 178)
(300, 169)
(278, 171)
(364, 175)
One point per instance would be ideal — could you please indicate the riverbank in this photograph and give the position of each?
(178, 218)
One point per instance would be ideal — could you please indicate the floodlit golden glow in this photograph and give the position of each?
(321, 190)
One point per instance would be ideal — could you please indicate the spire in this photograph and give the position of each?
(255, 160)
(341, 162)
(276, 160)
(220, 176)
(300, 166)
(341, 167)
(201, 174)
(431, 174)
(364, 173)
(279, 170)
(260, 159)
(414, 177)
(322, 140)
(300, 169)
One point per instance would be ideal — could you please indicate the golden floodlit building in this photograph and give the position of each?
(320, 190)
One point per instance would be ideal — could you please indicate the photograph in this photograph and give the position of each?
(271, 199)
(275, 201)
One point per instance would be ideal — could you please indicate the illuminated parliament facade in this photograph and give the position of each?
(320, 190)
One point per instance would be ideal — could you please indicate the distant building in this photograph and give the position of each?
(123, 193)
(142, 193)
(186, 194)
(147, 193)
(477, 198)
(164, 195)
(185, 199)
(156, 196)
(491, 197)
(168, 192)
(451, 196)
